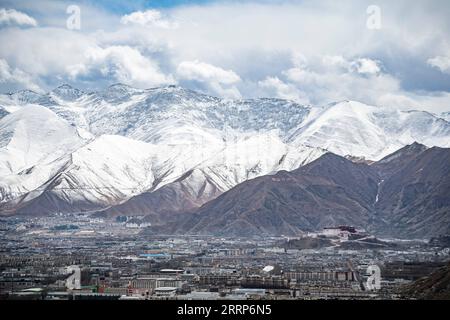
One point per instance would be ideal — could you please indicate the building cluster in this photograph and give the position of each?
(79, 258)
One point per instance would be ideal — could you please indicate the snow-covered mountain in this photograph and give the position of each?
(32, 141)
(66, 93)
(445, 116)
(70, 150)
(355, 129)
(3, 112)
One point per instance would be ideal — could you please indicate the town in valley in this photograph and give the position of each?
(79, 257)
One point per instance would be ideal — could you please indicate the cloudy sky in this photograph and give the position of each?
(396, 53)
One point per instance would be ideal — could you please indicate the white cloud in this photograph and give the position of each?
(366, 66)
(259, 48)
(44, 52)
(200, 71)
(436, 102)
(440, 62)
(123, 63)
(335, 61)
(14, 76)
(229, 92)
(148, 18)
(275, 87)
(14, 17)
(398, 100)
(298, 59)
(219, 80)
(335, 78)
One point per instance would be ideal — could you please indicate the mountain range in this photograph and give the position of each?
(208, 165)
(403, 195)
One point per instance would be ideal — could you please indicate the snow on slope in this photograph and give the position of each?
(66, 93)
(414, 126)
(255, 155)
(445, 116)
(31, 139)
(143, 114)
(147, 139)
(173, 115)
(345, 129)
(237, 161)
(111, 169)
(225, 164)
(32, 135)
(115, 167)
(359, 130)
(103, 172)
(108, 169)
(3, 112)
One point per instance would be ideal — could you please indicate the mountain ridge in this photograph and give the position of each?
(193, 141)
(333, 191)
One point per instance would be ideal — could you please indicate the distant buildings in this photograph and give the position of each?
(42, 262)
(342, 232)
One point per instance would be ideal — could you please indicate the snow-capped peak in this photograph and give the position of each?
(26, 96)
(119, 92)
(67, 92)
